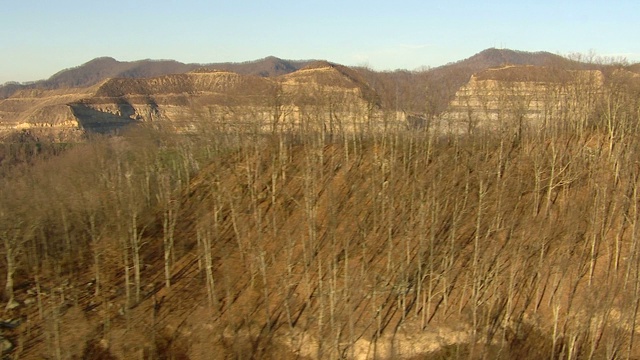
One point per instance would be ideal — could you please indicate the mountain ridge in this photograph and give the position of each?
(106, 91)
(101, 68)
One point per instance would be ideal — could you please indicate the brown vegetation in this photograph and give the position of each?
(321, 242)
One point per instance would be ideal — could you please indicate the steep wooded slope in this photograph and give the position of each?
(369, 246)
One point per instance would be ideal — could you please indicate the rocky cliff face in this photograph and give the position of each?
(43, 113)
(522, 96)
(322, 97)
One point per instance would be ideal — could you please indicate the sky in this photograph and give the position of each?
(41, 37)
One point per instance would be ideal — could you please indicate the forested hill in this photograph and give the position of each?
(99, 69)
(386, 244)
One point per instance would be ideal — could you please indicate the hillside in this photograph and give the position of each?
(45, 113)
(429, 91)
(198, 99)
(515, 98)
(268, 67)
(635, 68)
(220, 98)
(374, 246)
(100, 69)
(294, 217)
(271, 93)
(498, 57)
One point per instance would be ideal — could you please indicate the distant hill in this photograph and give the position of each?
(185, 99)
(99, 69)
(267, 67)
(10, 88)
(496, 57)
(102, 68)
(427, 91)
(430, 91)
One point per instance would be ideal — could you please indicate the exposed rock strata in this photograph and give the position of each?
(522, 96)
(324, 97)
(321, 97)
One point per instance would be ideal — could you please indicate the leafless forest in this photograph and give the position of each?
(512, 242)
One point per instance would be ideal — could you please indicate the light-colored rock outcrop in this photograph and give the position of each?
(405, 344)
(44, 113)
(322, 98)
(517, 96)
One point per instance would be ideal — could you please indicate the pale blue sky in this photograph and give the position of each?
(41, 37)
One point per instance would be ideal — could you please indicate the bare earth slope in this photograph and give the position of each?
(186, 100)
(46, 112)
